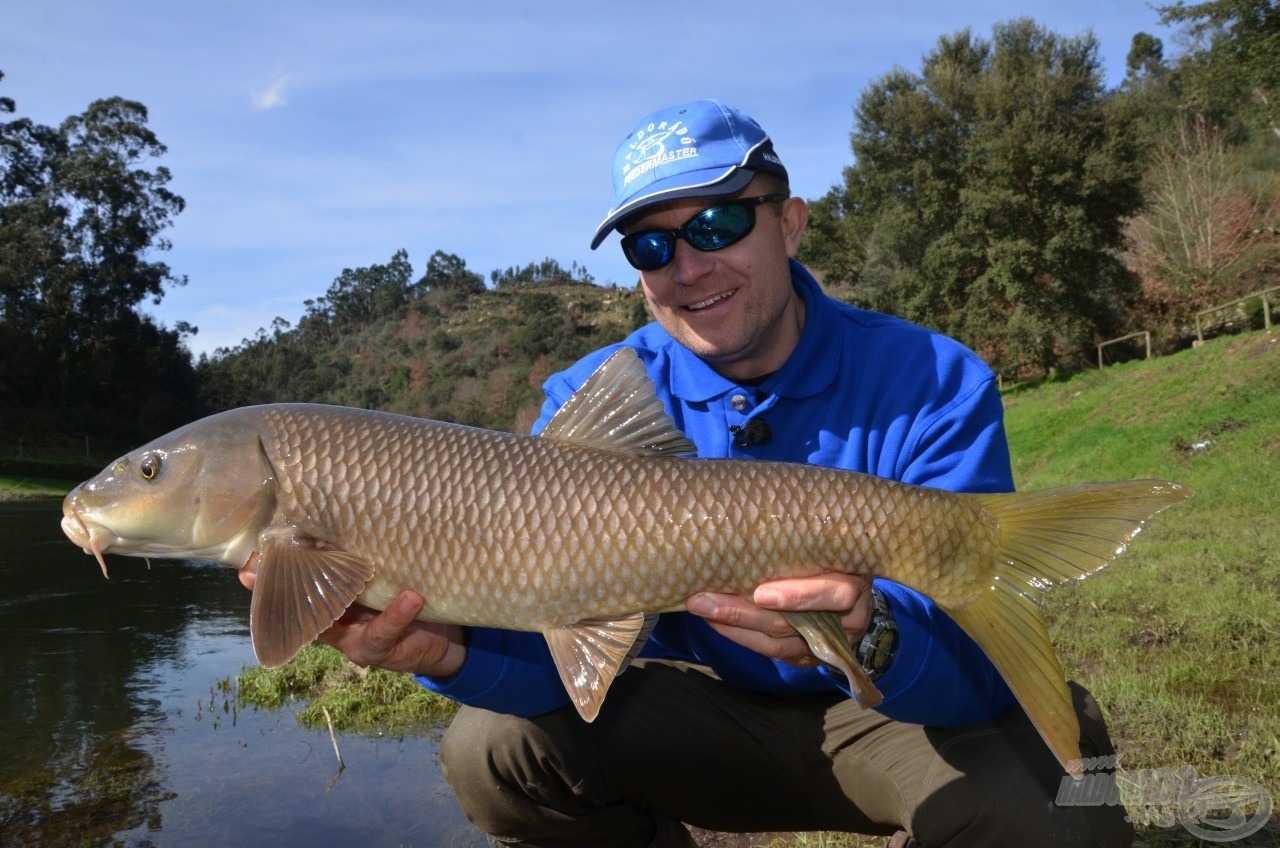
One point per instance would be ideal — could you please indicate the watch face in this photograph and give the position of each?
(886, 647)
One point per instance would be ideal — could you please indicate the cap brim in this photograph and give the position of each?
(731, 182)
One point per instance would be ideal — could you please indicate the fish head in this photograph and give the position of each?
(204, 491)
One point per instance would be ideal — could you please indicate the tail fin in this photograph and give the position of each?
(1047, 538)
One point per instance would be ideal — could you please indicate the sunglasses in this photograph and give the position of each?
(713, 228)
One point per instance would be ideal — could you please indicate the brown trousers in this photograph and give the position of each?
(673, 744)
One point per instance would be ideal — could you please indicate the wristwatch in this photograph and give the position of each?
(879, 644)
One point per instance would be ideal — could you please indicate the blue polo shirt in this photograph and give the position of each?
(862, 391)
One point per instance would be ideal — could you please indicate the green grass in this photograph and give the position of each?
(1179, 639)
(358, 700)
(15, 487)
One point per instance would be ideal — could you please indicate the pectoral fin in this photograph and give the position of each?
(301, 589)
(829, 643)
(590, 654)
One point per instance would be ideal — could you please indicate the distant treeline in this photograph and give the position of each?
(433, 348)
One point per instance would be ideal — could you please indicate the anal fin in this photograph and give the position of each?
(590, 654)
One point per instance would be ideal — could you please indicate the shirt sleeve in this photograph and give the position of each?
(506, 671)
(940, 677)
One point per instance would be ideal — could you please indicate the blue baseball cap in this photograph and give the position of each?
(698, 149)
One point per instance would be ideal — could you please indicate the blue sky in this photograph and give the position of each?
(309, 137)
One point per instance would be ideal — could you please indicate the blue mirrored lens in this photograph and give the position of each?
(719, 226)
(649, 251)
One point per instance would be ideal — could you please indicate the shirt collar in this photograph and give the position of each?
(810, 369)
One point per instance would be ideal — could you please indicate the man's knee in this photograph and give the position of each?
(1005, 787)
(970, 812)
(492, 762)
(538, 781)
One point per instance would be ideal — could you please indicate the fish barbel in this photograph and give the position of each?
(587, 531)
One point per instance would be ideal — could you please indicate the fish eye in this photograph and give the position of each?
(150, 466)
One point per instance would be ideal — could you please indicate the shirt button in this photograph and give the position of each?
(738, 402)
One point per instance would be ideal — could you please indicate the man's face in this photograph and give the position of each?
(734, 307)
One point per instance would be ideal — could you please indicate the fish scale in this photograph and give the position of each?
(587, 531)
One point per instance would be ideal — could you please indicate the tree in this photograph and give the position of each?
(536, 273)
(448, 272)
(1232, 71)
(360, 295)
(80, 212)
(988, 195)
(1201, 219)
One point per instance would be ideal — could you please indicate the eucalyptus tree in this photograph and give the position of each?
(82, 213)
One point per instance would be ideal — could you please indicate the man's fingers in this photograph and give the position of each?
(758, 624)
(249, 571)
(405, 607)
(830, 591)
(386, 629)
(740, 614)
(791, 648)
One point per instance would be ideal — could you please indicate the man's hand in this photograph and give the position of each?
(760, 627)
(392, 639)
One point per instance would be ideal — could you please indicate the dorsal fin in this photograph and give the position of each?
(617, 409)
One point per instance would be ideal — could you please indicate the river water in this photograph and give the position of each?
(119, 730)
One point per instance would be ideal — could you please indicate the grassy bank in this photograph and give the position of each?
(43, 476)
(1180, 638)
(356, 700)
(17, 487)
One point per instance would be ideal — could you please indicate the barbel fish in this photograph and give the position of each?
(587, 531)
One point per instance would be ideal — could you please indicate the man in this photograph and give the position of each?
(729, 722)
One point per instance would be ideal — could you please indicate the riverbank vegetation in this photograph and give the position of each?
(330, 690)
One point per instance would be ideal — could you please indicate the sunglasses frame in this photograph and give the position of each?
(682, 232)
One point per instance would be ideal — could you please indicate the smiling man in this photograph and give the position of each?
(728, 721)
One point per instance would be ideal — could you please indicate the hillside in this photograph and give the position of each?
(472, 357)
(1180, 638)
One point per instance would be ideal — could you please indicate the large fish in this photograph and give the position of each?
(587, 531)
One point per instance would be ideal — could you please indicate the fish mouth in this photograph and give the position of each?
(94, 540)
(711, 301)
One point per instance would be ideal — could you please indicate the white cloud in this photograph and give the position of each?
(276, 93)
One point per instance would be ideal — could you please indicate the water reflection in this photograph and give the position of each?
(117, 733)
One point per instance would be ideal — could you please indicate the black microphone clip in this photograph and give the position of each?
(754, 432)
